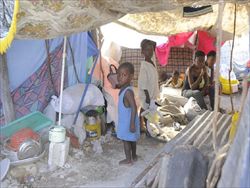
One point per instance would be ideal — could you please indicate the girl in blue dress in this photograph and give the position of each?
(128, 122)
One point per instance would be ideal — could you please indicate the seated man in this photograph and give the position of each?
(196, 80)
(211, 59)
(175, 80)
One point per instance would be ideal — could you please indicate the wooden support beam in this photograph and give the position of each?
(7, 103)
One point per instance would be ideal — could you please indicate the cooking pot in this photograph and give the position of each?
(57, 134)
(28, 149)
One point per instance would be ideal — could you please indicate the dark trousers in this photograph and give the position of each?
(197, 94)
(211, 93)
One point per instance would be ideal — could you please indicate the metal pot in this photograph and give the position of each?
(57, 134)
(29, 148)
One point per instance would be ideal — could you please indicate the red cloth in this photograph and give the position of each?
(162, 51)
(206, 42)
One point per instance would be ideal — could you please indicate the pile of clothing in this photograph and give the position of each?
(167, 117)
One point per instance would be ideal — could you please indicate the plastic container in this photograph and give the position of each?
(57, 134)
(36, 121)
(20, 136)
(226, 86)
(93, 125)
(93, 131)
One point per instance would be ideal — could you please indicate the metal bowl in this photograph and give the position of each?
(28, 149)
(12, 155)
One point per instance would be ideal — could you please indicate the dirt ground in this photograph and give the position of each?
(98, 170)
(84, 168)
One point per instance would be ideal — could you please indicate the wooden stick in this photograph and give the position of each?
(62, 79)
(156, 181)
(217, 72)
(231, 60)
(5, 95)
(100, 43)
(150, 177)
(145, 171)
(218, 163)
(163, 172)
(215, 168)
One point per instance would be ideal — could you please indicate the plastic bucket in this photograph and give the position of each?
(57, 134)
(226, 86)
(93, 131)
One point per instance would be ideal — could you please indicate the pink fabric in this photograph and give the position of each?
(162, 51)
(105, 62)
(206, 42)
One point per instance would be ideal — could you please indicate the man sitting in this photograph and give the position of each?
(196, 81)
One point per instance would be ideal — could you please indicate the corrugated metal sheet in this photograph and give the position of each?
(197, 133)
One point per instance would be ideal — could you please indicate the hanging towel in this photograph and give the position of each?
(206, 42)
(162, 51)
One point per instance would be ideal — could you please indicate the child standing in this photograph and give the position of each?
(128, 121)
(148, 81)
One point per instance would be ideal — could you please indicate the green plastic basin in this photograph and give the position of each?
(36, 121)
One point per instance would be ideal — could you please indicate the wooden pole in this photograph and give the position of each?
(217, 73)
(5, 95)
(62, 79)
(99, 45)
(94, 35)
(231, 60)
(248, 10)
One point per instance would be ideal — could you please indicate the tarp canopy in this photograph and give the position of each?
(172, 22)
(49, 19)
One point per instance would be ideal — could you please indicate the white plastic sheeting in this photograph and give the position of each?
(72, 96)
(236, 171)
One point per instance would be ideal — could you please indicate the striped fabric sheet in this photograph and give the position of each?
(179, 59)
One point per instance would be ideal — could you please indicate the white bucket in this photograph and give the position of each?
(57, 134)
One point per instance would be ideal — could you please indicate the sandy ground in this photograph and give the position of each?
(85, 168)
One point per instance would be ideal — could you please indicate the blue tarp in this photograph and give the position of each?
(24, 57)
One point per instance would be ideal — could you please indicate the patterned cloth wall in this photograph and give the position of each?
(34, 94)
(179, 59)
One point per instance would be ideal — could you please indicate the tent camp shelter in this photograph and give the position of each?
(50, 19)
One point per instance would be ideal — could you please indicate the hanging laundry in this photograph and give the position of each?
(162, 51)
(206, 42)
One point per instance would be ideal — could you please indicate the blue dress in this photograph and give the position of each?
(124, 116)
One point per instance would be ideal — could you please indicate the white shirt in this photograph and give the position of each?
(148, 80)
